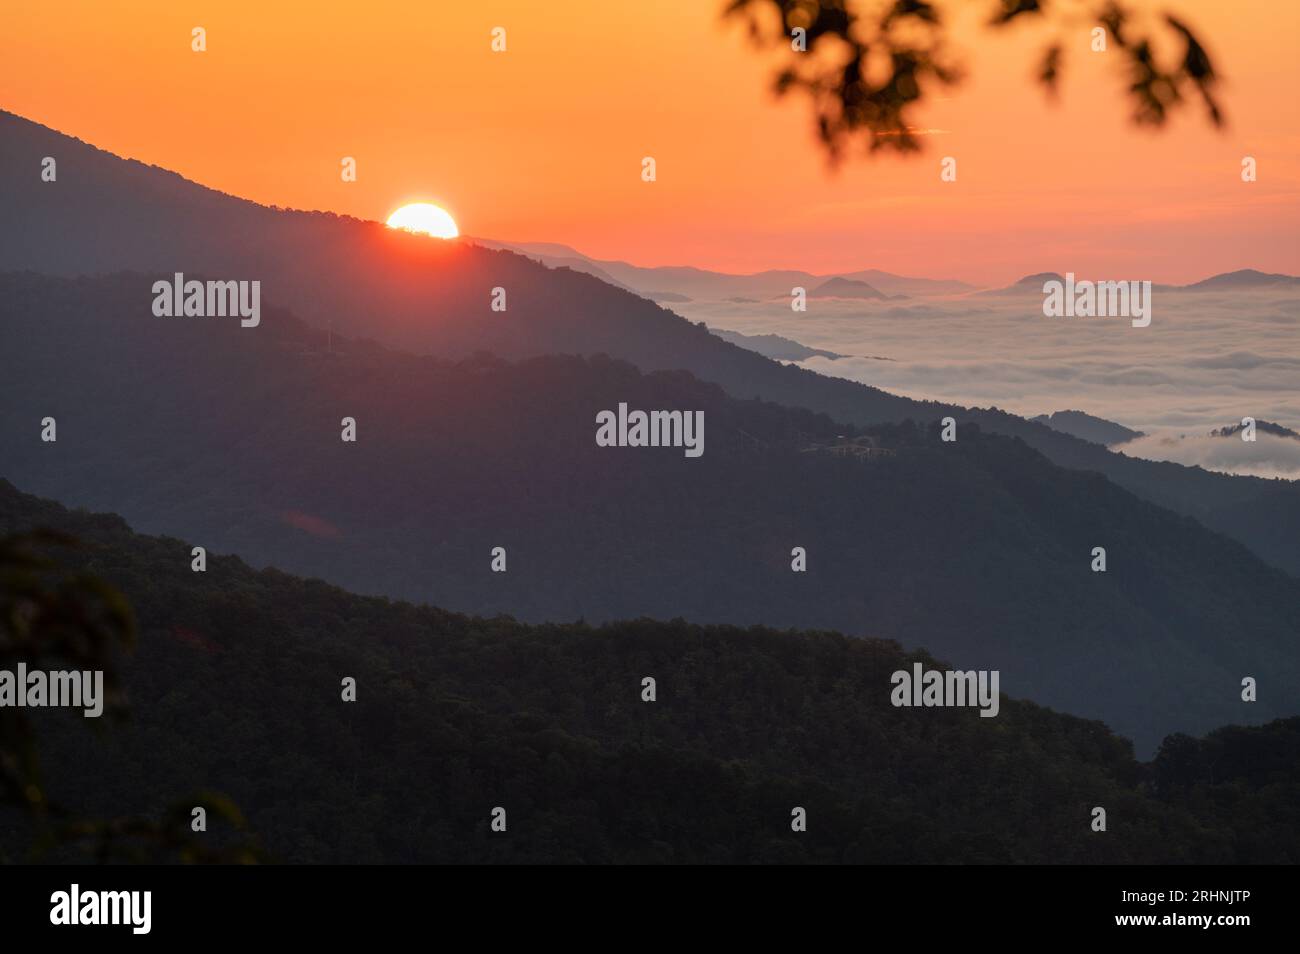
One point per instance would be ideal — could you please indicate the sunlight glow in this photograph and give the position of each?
(424, 217)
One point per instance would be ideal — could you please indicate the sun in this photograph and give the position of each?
(424, 217)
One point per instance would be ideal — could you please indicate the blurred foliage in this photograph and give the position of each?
(54, 619)
(869, 63)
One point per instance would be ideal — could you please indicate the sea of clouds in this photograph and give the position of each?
(1207, 360)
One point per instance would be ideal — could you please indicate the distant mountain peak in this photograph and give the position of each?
(1088, 427)
(1245, 277)
(838, 287)
(1267, 427)
(775, 347)
(1040, 278)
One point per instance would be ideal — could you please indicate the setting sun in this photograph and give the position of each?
(424, 217)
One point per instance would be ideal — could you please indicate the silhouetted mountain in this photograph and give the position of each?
(1036, 281)
(581, 265)
(236, 686)
(1088, 427)
(1022, 287)
(360, 278)
(900, 286)
(774, 346)
(698, 283)
(979, 550)
(1243, 278)
(845, 288)
(1264, 427)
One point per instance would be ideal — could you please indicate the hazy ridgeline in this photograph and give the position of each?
(978, 550)
(363, 279)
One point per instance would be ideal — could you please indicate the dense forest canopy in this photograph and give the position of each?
(235, 687)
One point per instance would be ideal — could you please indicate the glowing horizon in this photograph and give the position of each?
(544, 142)
(425, 218)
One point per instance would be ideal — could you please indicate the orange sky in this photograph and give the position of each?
(544, 142)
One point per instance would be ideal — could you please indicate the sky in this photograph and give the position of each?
(544, 142)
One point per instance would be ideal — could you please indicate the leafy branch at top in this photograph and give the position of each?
(867, 64)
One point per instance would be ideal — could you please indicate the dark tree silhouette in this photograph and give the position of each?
(866, 63)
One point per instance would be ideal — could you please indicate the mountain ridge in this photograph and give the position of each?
(977, 549)
(434, 297)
